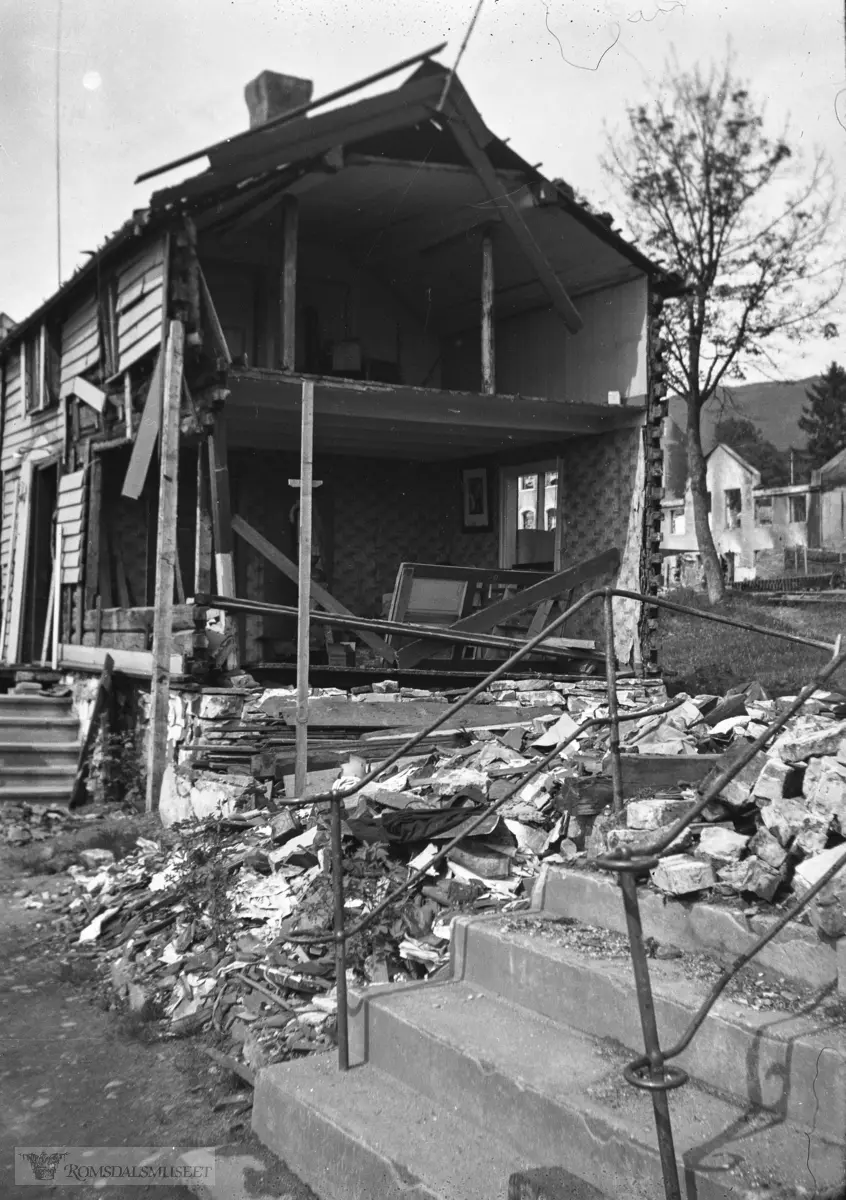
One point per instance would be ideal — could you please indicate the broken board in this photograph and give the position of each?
(332, 713)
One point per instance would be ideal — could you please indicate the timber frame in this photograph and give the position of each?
(385, 287)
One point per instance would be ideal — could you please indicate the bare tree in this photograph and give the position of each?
(749, 229)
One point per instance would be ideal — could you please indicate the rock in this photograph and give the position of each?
(217, 706)
(529, 838)
(655, 812)
(174, 798)
(776, 780)
(217, 795)
(793, 823)
(537, 790)
(120, 975)
(824, 738)
(640, 839)
(732, 706)
(770, 851)
(738, 791)
(542, 699)
(721, 846)
(679, 875)
(385, 686)
(452, 781)
(827, 911)
(825, 789)
(752, 875)
(139, 1000)
(283, 825)
(568, 850)
(92, 859)
(483, 862)
(557, 732)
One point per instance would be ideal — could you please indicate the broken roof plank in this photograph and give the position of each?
(499, 191)
(287, 117)
(307, 138)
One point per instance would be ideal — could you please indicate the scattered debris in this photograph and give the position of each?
(198, 927)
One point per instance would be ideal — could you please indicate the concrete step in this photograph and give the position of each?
(33, 704)
(37, 729)
(365, 1136)
(13, 775)
(723, 930)
(37, 792)
(34, 755)
(559, 1095)
(772, 1060)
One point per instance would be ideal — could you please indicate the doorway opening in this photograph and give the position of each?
(39, 572)
(529, 518)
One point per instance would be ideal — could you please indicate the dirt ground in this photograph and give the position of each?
(75, 1072)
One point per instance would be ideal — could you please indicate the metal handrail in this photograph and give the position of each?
(661, 1077)
(626, 864)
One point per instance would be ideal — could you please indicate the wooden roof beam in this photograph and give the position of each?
(461, 127)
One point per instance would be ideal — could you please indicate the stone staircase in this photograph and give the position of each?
(39, 746)
(514, 1065)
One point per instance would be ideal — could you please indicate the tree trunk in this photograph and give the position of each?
(699, 499)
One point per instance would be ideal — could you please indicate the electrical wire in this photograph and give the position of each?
(462, 48)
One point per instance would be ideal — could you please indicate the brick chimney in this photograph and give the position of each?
(271, 95)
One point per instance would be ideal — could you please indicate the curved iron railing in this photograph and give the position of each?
(650, 1071)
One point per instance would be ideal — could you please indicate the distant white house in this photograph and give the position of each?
(758, 531)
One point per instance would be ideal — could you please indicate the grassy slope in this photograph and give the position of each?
(698, 656)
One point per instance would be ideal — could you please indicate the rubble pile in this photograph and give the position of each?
(197, 928)
(780, 821)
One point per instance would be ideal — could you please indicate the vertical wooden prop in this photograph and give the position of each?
(306, 465)
(57, 599)
(203, 548)
(288, 285)
(488, 340)
(221, 507)
(165, 564)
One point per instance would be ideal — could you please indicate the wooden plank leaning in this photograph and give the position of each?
(165, 564)
(319, 594)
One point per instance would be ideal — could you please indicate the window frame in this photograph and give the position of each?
(758, 504)
(793, 500)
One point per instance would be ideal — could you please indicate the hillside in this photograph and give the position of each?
(774, 407)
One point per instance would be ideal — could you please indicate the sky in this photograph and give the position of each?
(141, 83)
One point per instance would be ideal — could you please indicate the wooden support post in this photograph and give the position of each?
(304, 598)
(464, 129)
(221, 507)
(288, 285)
(203, 534)
(48, 620)
(165, 564)
(57, 599)
(488, 342)
(93, 536)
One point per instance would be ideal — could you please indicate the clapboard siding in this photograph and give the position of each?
(71, 517)
(139, 304)
(80, 340)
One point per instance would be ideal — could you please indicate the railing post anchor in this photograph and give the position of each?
(643, 987)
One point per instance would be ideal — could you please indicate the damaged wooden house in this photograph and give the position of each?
(476, 354)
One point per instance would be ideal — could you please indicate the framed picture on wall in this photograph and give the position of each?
(475, 499)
